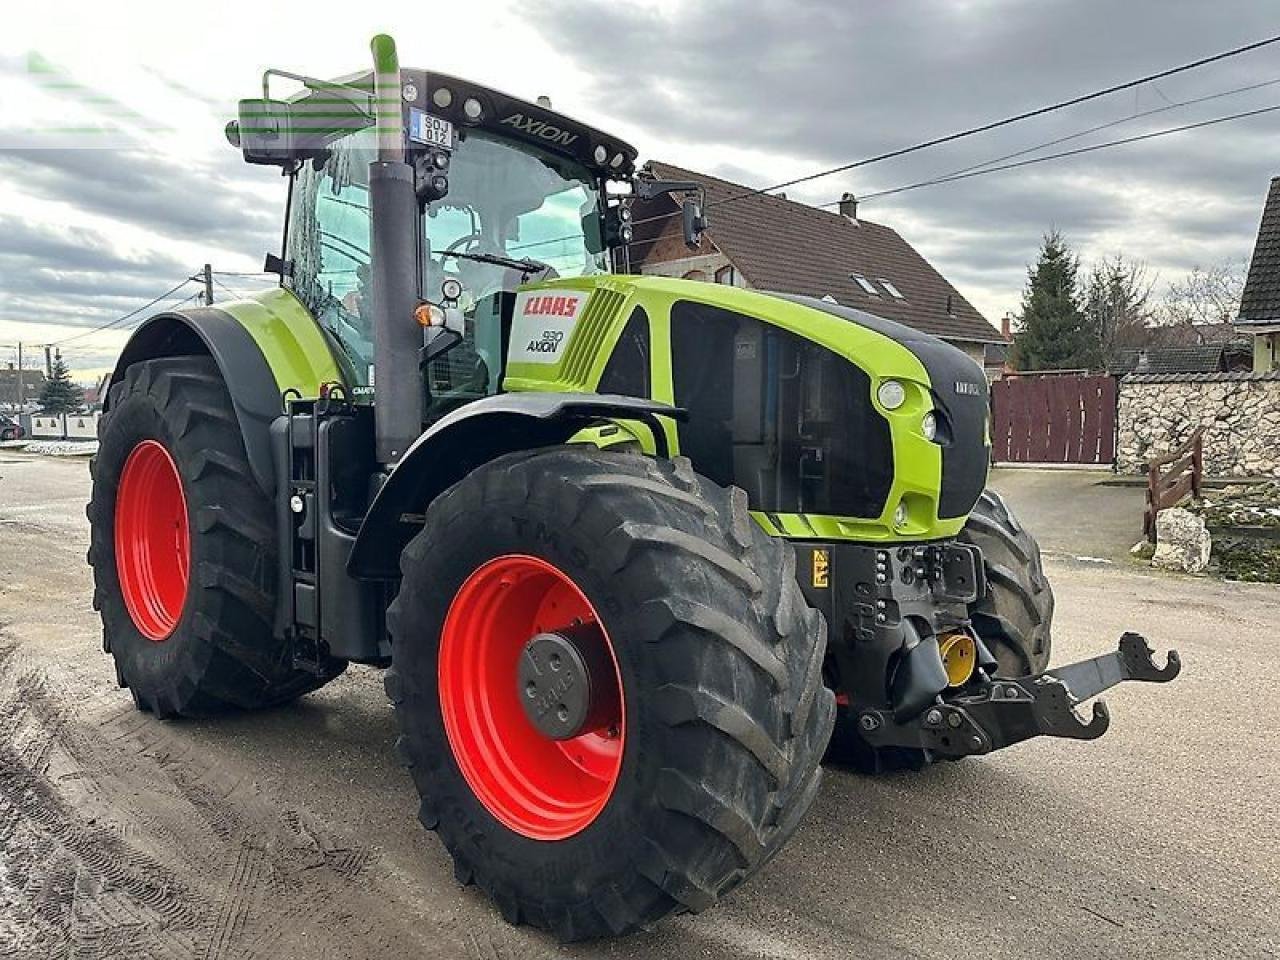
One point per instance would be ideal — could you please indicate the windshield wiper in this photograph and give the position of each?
(527, 265)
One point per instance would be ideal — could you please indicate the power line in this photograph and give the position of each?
(1065, 153)
(226, 288)
(1102, 126)
(118, 320)
(993, 125)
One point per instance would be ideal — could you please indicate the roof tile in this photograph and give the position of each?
(788, 247)
(1261, 300)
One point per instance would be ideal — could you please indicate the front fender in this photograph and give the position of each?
(264, 346)
(473, 435)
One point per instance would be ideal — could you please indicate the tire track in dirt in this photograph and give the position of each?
(119, 838)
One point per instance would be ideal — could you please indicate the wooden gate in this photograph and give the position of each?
(1054, 418)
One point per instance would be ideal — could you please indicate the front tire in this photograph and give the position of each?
(709, 758)
(1015, 616)
(182, 545)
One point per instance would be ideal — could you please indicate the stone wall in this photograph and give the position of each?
(1241, 411)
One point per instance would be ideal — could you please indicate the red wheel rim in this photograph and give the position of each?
(153, 548)
(541, 788)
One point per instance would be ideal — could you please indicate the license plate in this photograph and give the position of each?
(434, 132)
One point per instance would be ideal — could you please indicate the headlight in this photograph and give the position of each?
(601, 154)
(892, 394)
(442, 97)
(929, 425)
(472, 109)
(900, 516)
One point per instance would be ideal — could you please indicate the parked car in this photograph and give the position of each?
(10, 429)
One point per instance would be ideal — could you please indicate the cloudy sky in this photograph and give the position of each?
(116, 182)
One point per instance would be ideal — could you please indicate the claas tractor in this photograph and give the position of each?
(635, 552)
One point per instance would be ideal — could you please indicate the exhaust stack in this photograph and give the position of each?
(393, 206)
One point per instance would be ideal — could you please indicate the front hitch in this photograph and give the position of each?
(1007, 711)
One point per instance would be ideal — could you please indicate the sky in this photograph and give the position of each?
(116, 182)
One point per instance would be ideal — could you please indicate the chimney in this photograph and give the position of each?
(849, 207)
(1006, 325)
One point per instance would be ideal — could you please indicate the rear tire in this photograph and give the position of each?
(201, 642)
(1013, 618)
(717, 655)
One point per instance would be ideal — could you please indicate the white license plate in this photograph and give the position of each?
(434, 132)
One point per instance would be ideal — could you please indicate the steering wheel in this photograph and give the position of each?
(464, 242)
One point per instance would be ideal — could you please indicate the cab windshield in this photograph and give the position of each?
(505, 200)
(509, 202)
(514, 202)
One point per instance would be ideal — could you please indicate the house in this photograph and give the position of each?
(1229, 357)
(1260, 305)
(766, 242)
(31, 384)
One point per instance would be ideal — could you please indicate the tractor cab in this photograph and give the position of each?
(507, 192)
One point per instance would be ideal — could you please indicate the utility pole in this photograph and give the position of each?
(19, 378)
(208, 285)
(48, 362)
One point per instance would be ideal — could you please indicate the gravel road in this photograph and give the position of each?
(291, 833)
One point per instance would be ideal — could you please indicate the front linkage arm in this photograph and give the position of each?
(1007, 711)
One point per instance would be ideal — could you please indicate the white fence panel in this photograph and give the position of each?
(45, 427)
(82, 426)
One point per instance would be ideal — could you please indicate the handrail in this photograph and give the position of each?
(1167, 488)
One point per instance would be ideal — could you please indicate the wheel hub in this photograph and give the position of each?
(544, 764)
(562, 682)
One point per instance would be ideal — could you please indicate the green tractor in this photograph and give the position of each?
(629, 547)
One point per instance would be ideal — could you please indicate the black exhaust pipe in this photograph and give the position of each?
(397, 381)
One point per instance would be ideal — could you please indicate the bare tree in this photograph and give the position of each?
(1205, 295)
(1117, 305)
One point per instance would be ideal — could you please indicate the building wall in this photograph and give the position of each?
(1240, 411)
(1266, 352)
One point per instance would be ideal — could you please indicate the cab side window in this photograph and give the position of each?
(329, 243)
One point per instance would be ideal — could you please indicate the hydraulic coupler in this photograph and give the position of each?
(1002, 711)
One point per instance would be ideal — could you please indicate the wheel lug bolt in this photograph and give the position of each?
(531, 690)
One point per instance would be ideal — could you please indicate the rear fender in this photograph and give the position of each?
(263, 346)
(471, 436)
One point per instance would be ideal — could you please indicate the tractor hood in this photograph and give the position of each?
(838, 423)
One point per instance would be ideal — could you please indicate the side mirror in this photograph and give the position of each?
(691, 212)
(282, 133)
(694, 221)
(263, 132)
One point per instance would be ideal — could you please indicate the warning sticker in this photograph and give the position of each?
(821, 569)
(542, 324)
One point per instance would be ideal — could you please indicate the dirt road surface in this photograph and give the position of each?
(292, 833)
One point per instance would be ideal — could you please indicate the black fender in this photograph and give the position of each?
(209, 331)
(469, 437)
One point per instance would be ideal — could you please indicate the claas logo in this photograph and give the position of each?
(549, 306)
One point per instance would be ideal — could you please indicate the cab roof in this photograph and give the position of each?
(444, 96)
